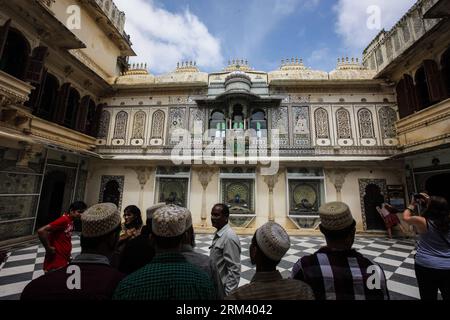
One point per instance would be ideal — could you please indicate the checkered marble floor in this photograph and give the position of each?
(395, 256)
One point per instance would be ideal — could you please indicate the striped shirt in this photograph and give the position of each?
(272, 286)
(341, 275)
(167, 277)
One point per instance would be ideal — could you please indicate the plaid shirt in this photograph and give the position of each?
(339, 275)
(167, 277)
(272, 286)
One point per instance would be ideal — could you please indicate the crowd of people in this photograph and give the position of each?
(157, 261)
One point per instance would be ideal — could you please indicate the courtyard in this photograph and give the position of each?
(395, 256)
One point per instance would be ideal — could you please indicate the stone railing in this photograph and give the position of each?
(428, 128)
(388, 45)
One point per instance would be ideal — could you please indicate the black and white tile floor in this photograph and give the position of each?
(395, 256)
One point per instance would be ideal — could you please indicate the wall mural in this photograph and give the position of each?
(280, 121)
(302, 135)
(365, 124)
(238, 195)
(322, 124)
(120, 130)
(139, 125)
(304, 197)
(177, 118)
(196, 114)
(173, 190)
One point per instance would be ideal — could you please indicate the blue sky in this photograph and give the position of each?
(262, 31)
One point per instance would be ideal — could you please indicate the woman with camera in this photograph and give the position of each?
(432, 260)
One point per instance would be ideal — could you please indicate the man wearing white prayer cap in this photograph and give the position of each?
(269, 245)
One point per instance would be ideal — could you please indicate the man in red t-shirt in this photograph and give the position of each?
(57, 237)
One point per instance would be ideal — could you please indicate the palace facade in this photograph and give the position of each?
(79, 123)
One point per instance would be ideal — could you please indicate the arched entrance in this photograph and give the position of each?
(52, 198)
(438, 185)
(111, 193)
(373, 199)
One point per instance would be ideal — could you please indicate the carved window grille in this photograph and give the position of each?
(158, 124)
(343, 124)
(387, 117)
(104, 125)
(139, 125)
(322, 124)
(120, 130)
(365, 121)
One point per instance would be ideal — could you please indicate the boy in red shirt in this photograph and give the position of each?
(57, 237)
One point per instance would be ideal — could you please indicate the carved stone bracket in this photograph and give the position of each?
(27, 153)
(271, 181)
(143, 174)
(204, 176)
(337, 178)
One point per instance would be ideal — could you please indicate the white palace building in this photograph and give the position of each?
(77, 122)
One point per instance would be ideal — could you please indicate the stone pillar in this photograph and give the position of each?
(204, 176)
(337, 178)
(271, 181)
(143, 175)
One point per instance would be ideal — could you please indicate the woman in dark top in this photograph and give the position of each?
(432, 261)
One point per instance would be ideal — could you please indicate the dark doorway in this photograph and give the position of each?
(373, 199)
(111, 193)
(438, 186)
(52, 197)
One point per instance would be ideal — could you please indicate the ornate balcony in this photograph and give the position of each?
(426, 129)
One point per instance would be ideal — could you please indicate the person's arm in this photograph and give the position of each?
(417, 221)
(232, 257)
(43, 234)
(217, 281)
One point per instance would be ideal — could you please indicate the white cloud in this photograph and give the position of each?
(163, 38)
(319, 55)
(353, 16)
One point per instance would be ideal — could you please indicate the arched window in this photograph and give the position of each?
(217, 123)
(422, 88)
(139, 125)
(238, 117)
(343, 124)
(322, 124)
(47, 103)
(120, 129)
(73, 105)
(90, 122)
(445, 71)
(104, 125)
(15, 55)
(258, 122)
(428, 83)
(111, 193)
(365, 124)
